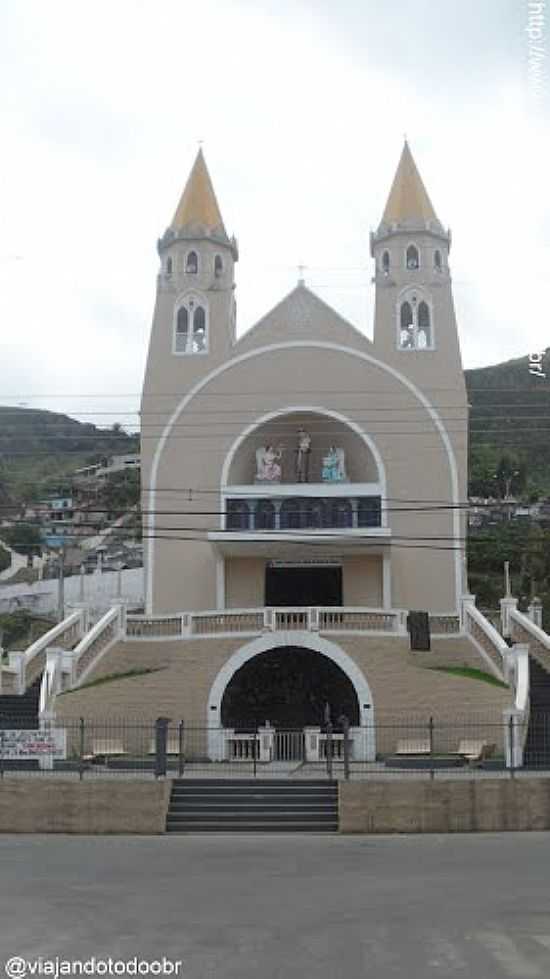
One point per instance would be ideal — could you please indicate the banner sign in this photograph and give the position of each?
(33, 744)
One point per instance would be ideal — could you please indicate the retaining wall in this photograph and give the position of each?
(49, 805)
(445, 806)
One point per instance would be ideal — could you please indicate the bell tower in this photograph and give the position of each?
(415, 325)
(415, 329)
(194, 319)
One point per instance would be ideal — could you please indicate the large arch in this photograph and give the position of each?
(260, 351)
(307, 640)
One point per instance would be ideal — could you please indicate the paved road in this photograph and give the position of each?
(279, 907)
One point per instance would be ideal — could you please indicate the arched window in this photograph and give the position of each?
(191, 327)
(413, 260)
(199, 330)
(406, 335)
(182, 330)
(386, 263)
(192, 263)
(168, 266)
(218, 266)
(414, 323)
(423, 333)
(437, 260)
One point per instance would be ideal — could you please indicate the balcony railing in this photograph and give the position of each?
(190, 625)
(303, 513)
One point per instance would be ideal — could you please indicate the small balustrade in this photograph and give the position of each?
(242, 747)
(142, 627)
(444, 625)
(292, 618)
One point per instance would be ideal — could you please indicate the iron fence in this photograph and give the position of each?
(416, 746)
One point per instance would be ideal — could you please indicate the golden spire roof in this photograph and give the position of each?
(198, 204)
(408, 200)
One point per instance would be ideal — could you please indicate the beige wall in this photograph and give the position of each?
(47, 804)
(362, 578)
(185, 571)
(444, 806)
(245, 582)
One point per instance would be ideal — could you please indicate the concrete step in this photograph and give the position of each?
(252, 827)
(253, 805)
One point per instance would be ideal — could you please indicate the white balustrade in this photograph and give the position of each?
(256, 621)
(28, 665)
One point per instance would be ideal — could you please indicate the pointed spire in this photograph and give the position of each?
(198, 206)
(408, 201)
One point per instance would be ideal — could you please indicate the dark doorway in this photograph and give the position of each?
(303, 586)
(289, 687)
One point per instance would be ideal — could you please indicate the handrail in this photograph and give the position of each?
(107, 630)
(30, 663)
(526, 623)
(51, 681)
(76, 663)
(487, 638)
(54, 634)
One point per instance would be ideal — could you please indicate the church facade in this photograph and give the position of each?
(302, 464)
(303, 490)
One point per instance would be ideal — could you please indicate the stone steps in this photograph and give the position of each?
(252, 805)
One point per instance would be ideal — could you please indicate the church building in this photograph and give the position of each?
(302, 464)
(303, 491)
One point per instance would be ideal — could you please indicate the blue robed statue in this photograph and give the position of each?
(334, 469)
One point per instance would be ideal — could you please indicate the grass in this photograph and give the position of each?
(470, 673)
(109, 677)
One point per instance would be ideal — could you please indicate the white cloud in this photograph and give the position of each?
(302, 108)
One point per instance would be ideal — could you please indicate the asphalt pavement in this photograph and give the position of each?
(279, 907)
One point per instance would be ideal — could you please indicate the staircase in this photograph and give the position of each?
(20, 711)
(252, 806)
(537, 747)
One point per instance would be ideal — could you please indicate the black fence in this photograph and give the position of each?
(423, 747)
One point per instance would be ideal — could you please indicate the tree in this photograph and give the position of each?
(14, 626)
(5, 558)
(25, 538)
(511, 474)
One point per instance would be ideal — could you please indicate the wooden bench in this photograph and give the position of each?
(172, 746)
(413, 746)
(475, 751)
(105, 748)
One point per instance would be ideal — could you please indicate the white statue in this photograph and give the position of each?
(268, 464)
(334, 466)
(302, 456)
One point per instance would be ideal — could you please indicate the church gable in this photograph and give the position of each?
(302, 316)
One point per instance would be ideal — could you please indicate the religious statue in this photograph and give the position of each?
(268, 464)
(302, 456)
(334, 468)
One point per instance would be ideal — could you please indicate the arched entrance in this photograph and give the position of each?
(289, 687)
(352, 691)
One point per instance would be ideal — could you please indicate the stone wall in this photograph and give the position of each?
(53, 805)
(445, 805)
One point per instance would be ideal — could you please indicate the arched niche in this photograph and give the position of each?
(281, 430)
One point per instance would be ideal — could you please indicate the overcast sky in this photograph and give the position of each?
(302, 107)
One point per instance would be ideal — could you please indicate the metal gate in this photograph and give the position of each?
(289, 746)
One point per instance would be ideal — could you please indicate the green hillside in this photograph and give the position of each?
(40, 449)
(510, 414)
